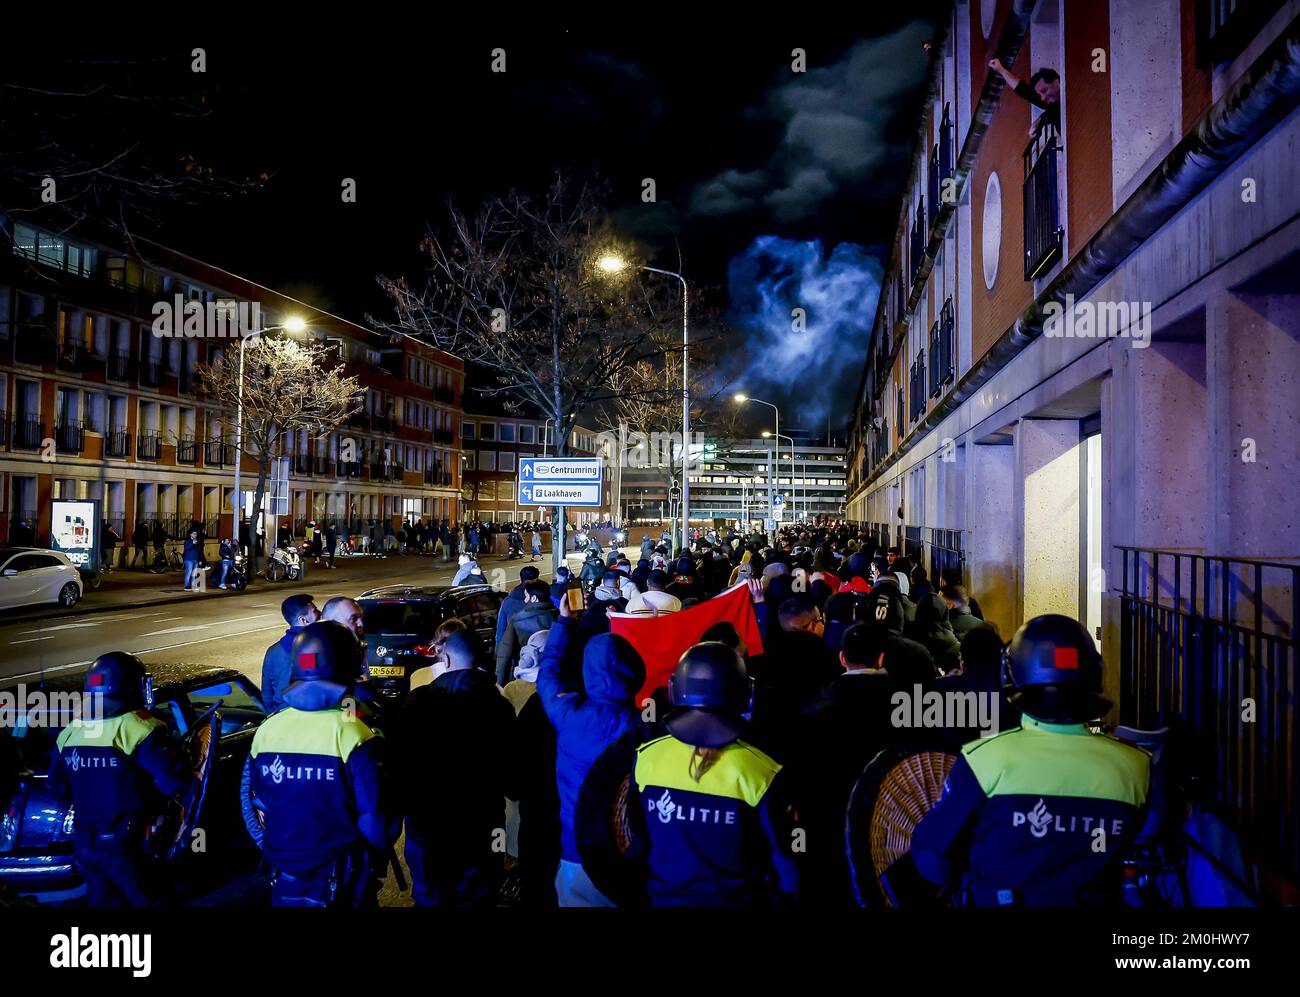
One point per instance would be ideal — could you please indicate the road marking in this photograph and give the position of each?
(62, 626)
(169, 619)
(31, 639)
(201, 640)
(178, 630)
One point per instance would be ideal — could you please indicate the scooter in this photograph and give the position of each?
(285, 565)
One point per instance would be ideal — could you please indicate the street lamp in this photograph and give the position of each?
(790, 440)
(612, 264)
(293, 325)
(741, 398)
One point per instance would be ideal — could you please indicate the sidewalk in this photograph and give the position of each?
(128, 588)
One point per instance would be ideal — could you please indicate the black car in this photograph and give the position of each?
(400, 621)
(36, 829)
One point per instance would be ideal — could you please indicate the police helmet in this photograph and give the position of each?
(326, 651)
(709, 690)
(119, 679)
(1053, 671)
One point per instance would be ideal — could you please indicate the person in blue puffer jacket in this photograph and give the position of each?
(588, 718)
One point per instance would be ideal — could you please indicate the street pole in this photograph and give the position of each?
(239, 452)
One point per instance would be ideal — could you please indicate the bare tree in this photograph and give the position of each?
(517, 290)
(287, 387)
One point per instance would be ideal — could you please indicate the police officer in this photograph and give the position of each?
(117, 764)
(314, 770)
(714, 814)
(1040, 814)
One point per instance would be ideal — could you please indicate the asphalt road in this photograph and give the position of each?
(228, 629)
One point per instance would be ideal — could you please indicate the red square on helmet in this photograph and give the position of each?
(96, 678)
(1067, 657)
(307, 661)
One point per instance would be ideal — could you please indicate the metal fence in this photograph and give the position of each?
(1209, 646)
(1043, 232)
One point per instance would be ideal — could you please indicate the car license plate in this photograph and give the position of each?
(387, 671)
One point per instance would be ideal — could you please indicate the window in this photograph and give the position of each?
(487, 431)
(53, 250)
(487, 460)
(467, 430)
(526, 434)
(468, 456)
(507, 432)
(507, 462)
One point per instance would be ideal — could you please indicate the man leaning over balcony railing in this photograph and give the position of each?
(1043, 91)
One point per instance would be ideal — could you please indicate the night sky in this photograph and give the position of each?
(741, 149)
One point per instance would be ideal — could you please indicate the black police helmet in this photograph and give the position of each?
(709, 690)
(122, 682)
(326, 651)
(1053, 670)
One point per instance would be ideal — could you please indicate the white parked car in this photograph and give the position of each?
(31, 576)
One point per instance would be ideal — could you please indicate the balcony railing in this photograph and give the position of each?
(117, 442)
(900, 295)
(151, 372)
(900, 422)
(917, 393)
(29, 432)
(941, 336)
(383, 423)
(1225, 27)
(1199, 636)
(188, 381)
(70, 436)
(1043, 232)
(919, 238)
(79, 358)
(380, 471)
(347, 469)
(217, 452)
(187, 450)
(941, 165)
(445, 395)
(320, 464)
(119, 366)
(302, 463)
(442, 436)
(146, 445)
(4, 430)
(359, 420)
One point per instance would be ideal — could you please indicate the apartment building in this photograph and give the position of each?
(1081, 376)
(96, 405)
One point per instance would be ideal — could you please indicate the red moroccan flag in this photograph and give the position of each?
(661, 640)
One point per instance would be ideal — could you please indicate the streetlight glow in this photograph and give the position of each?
(612, 264)
(742, 398)
(295, 324)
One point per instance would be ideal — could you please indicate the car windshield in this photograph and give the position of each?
(401, 618)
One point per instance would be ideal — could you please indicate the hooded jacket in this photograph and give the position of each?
(587, 719)
(931, 628)
(527, 620)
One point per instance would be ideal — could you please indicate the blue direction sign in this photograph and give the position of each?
(560, 480)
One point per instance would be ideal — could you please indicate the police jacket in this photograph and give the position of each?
(314, 770)
(276, 670)
(116, 766)
(1038, 815)
(718, 841)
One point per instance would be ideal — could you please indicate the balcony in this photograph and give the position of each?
(1043, 232)
(347, 469)
(941, 165)
(146, 445)
(187, 450)
(359, 420)
(320, 465)
(380, 471)
(29, 432)
(445, 395)
(79, 358)
(117, 442)
(442, 436)
(188, 381)
(301, 464)
(151, 372)
(4, 428)
(119, 366)
(920, 235)
(916, 389)
(217, 452)
(383, 423)
(70, 436)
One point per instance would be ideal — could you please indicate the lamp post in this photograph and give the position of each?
(741, 399)
(616, 264)
(790, 440)
(292, 325)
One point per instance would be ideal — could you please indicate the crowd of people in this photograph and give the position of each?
(557, 770)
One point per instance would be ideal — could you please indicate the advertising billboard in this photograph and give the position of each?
(74, 530)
